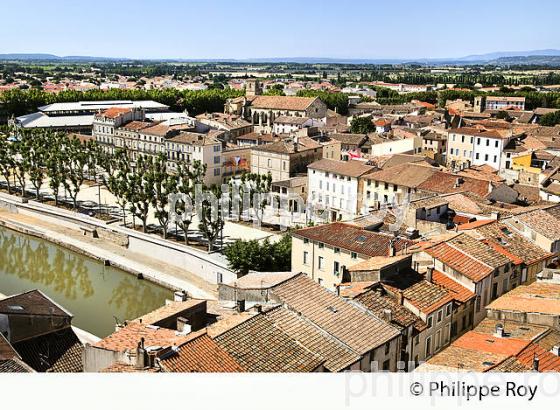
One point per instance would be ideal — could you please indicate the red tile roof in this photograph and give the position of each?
(491, 344)
(114, 112)
(548, 362)
(352, 238)
(201, 355)
(459, 261)
(475, 224)
(459, 292)
(445, 183)
(129, 336)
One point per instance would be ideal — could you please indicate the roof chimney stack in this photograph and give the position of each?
(430, 274)
(499, 330)
(180, 296)
(241, 305)
(535, 363)
(387, 315)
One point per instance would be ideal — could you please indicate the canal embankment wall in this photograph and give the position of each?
(206, 266)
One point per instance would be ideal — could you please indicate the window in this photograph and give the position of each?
(496, 144)
(354, 255)
(387, 348)
(217, 148)
(448, 310)
(428, 346)
(430, 322)
(305, 240)
(216, 172)
(321, 263)
(216, 160)
(305, 257)
(336, 250)
(387, 365)
(336, 268)
(485, 157)
(439, 315)
(321, 245)
(487, 143)
(495, 158)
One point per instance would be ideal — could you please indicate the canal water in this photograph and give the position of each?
(96, 295)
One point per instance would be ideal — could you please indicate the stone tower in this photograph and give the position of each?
(478, 104)
(253, 87)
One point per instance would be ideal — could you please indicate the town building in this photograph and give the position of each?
(79, 116)
(36, 335)
(262, 110)
(339, 334)
(325, 252)
(285, 158)
(337, 186)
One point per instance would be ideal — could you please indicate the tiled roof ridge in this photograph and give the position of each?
(317, 327)
(469, 254)
(262, 316)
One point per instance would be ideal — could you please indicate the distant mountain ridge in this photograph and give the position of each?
(544, 57)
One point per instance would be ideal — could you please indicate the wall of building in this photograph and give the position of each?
(310, 266)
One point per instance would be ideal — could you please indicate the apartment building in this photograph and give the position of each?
(285, 158)
(190, 147)
(471, 146)
(324, 252)
(338, 186)
(481, 268)
(394, 185)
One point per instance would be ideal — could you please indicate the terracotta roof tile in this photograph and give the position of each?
(338, 356)
(458, 291)
(459, 261)
(128, 337)
(59, 351)
(352, 238)
(347, 168)
(538, 297)
(201, 355)
(282, 102)
(258, 345)
(358, 329)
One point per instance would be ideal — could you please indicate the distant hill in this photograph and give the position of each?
(537, 57)
(504, 54)
(52, 57)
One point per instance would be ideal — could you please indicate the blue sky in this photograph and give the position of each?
(287, 28)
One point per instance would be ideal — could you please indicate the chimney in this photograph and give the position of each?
(499, 330)
(258, 308)
(337, 290)
(392, 249)
(387, 315)
(183, 325)
(241, 305)
(141, 358)
(555, 350)
(430, 274)
(495, 215)
(400, 298)
(180, 296)
(535, 363)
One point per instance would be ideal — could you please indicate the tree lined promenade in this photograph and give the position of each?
(61, 164)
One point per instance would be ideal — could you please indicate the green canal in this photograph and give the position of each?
(96, 295)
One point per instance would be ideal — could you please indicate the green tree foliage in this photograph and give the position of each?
(18, 102)
(334, 101)
(361, 125)
(550, 119)
(211, 217)
(189, 176)
(263, 256)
